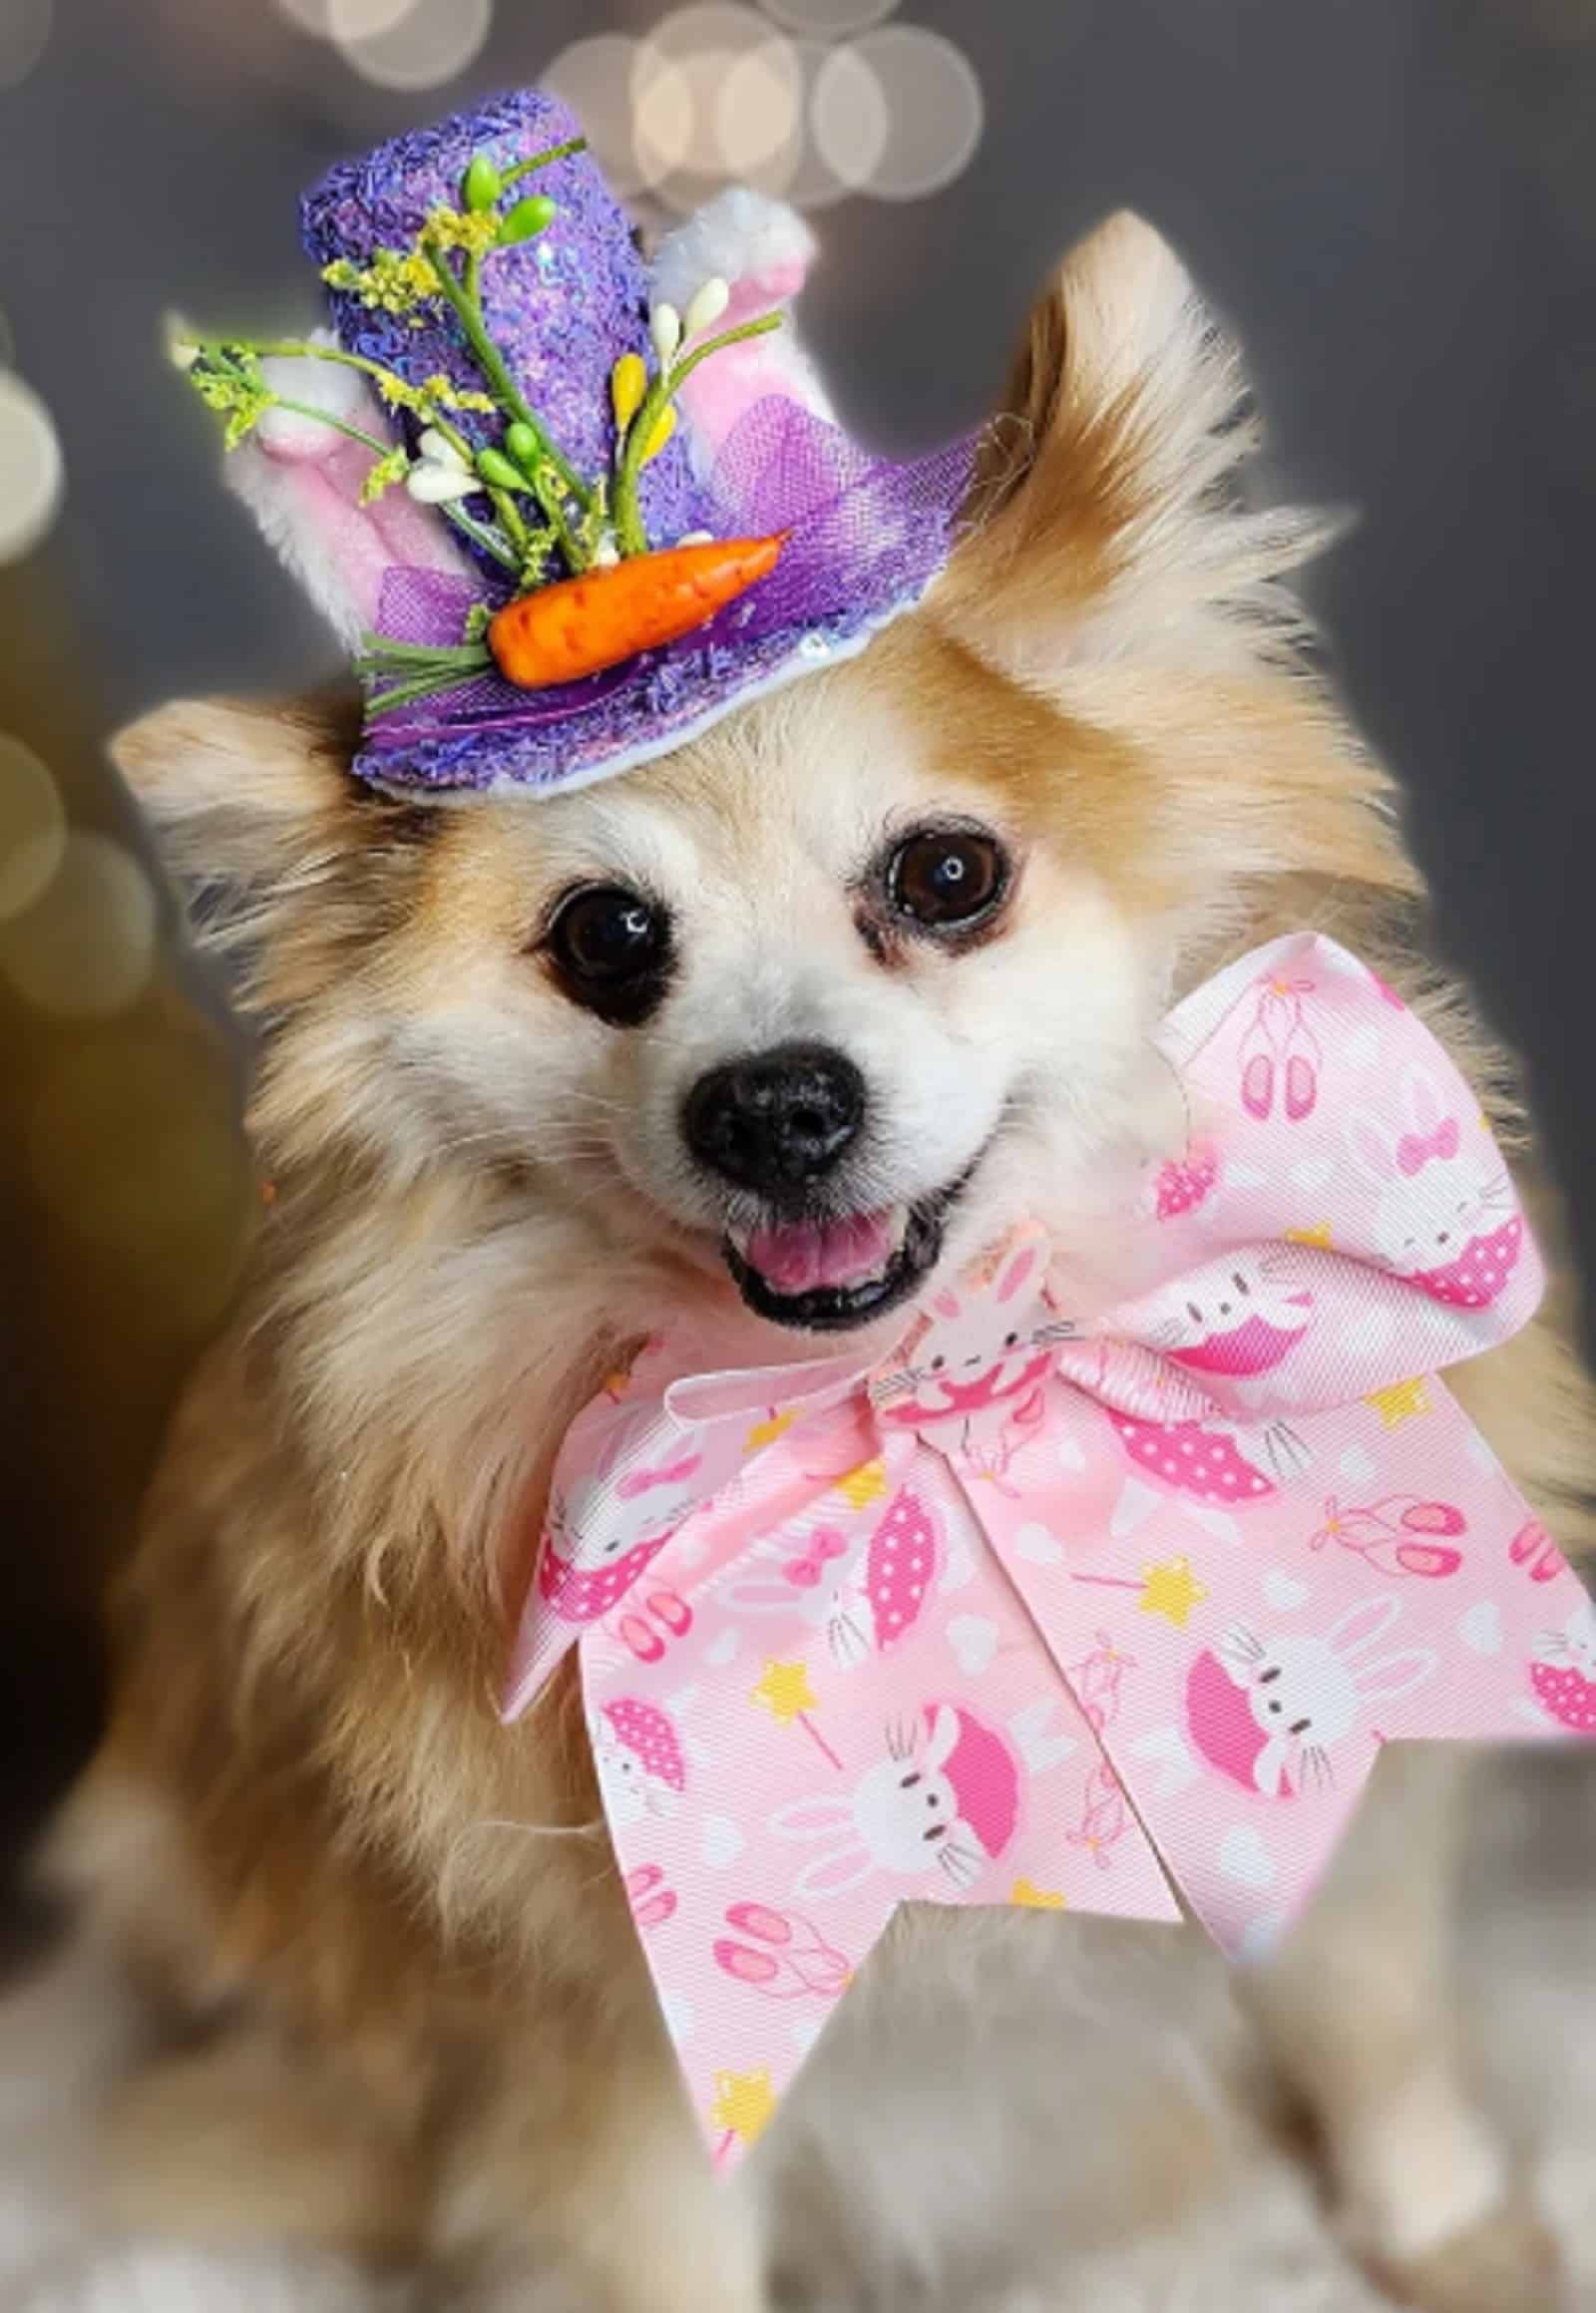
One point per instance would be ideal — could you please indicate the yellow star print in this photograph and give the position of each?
(1030, 1897)
(1172, 1590)
(1320, 1234)
(744, 2104)
(767, 1432)
(785, 1691)
(1402, 1401)
(863, 1485)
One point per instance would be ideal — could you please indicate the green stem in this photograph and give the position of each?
(299, 348)
(510, 514)
(382, 650)
(630, 536)
(542, 159)
(340, 424)
(760, 327)
(423, 686)
(569, 544)
(492, 364)
(480, 535)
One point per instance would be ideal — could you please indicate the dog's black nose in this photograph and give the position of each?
(777, 1120)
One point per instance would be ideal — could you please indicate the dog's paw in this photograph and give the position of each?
(1506, 2262)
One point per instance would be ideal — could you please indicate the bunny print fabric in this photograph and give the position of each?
(1060, 1604)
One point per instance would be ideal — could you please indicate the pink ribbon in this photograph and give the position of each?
(1416, 1149)
(1059, 1605)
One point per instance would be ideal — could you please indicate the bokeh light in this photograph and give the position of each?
(131, 1142)
(33, 827)
(934, 109)
(829, 19)
(593, 77)
(759, 116)
(312, 16)
(24, 36)
(421, 46)
(86, 947)
(30, 468)
(717, 93)
(811, 100)
(849, 122)
(356, 20)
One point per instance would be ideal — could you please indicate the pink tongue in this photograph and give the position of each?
(800, 1255)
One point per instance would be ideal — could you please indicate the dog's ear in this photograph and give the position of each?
(238, 791)
(1106, 522)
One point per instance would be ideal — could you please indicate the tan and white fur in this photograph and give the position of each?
(371, 1916)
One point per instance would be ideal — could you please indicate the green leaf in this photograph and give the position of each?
(481, 184)
(528, 219)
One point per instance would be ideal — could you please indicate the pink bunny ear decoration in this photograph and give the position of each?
(1064, 1604)
(302, 481)
(762, 250)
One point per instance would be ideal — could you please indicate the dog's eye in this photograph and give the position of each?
(947, 877)
(612, 950)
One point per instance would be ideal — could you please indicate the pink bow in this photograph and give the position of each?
(1416, 1149)
(1063, 1603)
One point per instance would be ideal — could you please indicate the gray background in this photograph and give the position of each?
(1392, 200)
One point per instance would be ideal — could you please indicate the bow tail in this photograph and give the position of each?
(1245, 1670)
(772, 1800)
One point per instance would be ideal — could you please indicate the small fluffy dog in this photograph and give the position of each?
(963, 874)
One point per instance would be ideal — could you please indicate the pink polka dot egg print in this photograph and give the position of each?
(901, 1565)
(1205, 1463)
(1563, 1674)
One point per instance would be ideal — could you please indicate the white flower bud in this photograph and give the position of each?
(707, 306)
(664, 328)
(431, 484)
(183, 348)
(438, 450)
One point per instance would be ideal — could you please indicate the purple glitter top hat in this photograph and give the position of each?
(510, 402)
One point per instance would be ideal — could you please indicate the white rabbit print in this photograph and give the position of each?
(965, 1357)
(1240, 1316)
(1446, 1218)
(864, 1592)
(1268, 1711)
(604, 1530)
(943, 1803)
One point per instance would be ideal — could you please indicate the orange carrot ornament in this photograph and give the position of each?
(579, 626)
(563, 632)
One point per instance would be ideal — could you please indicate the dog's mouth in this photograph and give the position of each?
(827, 1274)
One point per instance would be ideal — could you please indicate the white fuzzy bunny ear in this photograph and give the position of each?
(762, 250)
(301, 480)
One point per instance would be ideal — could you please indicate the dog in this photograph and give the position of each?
(532, 1079)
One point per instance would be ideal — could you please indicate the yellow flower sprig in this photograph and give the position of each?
(644, 408)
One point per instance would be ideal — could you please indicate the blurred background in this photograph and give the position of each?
(1392, 200)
